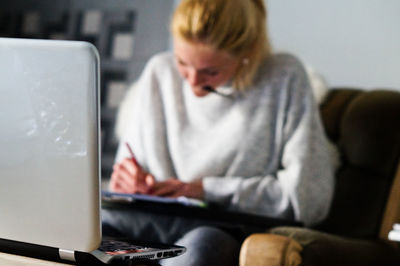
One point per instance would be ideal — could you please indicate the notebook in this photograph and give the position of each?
(50, 154)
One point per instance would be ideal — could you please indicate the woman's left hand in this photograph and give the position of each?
(175, 188)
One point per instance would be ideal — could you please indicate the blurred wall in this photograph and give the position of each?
(351, 43)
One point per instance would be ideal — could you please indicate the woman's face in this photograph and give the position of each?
(201, 65)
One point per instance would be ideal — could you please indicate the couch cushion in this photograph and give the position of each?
(358, 204)
(370, 131)
(332, 110)
(366, 127)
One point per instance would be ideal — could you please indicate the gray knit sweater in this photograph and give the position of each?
(262, 151)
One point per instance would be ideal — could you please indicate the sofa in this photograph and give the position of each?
(365, 126)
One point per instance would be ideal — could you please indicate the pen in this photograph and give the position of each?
(132, 156)
(149, 189)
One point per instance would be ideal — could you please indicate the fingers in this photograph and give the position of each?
(129, 178)
(150, 183)
(174, 188)
(167, 188)
(122, 182)
(122, 178)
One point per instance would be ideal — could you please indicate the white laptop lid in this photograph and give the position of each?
(49, 148)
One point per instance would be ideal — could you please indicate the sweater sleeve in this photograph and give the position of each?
(302, 186)
(145, 131)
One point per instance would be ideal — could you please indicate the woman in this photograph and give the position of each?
(223, 120)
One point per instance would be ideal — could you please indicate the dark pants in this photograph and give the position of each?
(207, 243)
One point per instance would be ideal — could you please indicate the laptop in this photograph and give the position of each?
(50, 155)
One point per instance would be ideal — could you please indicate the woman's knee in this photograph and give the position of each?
(207, 246)
(207, 234)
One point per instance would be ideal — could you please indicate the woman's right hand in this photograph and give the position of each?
(130, 178)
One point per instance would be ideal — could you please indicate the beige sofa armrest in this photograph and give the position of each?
(271, 250)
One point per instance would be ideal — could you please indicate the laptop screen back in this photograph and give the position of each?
(49, 152)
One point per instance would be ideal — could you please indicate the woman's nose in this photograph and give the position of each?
(194, 77)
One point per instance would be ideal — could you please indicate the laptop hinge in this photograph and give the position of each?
(66, 254)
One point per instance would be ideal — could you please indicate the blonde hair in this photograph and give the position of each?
(235, 26)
